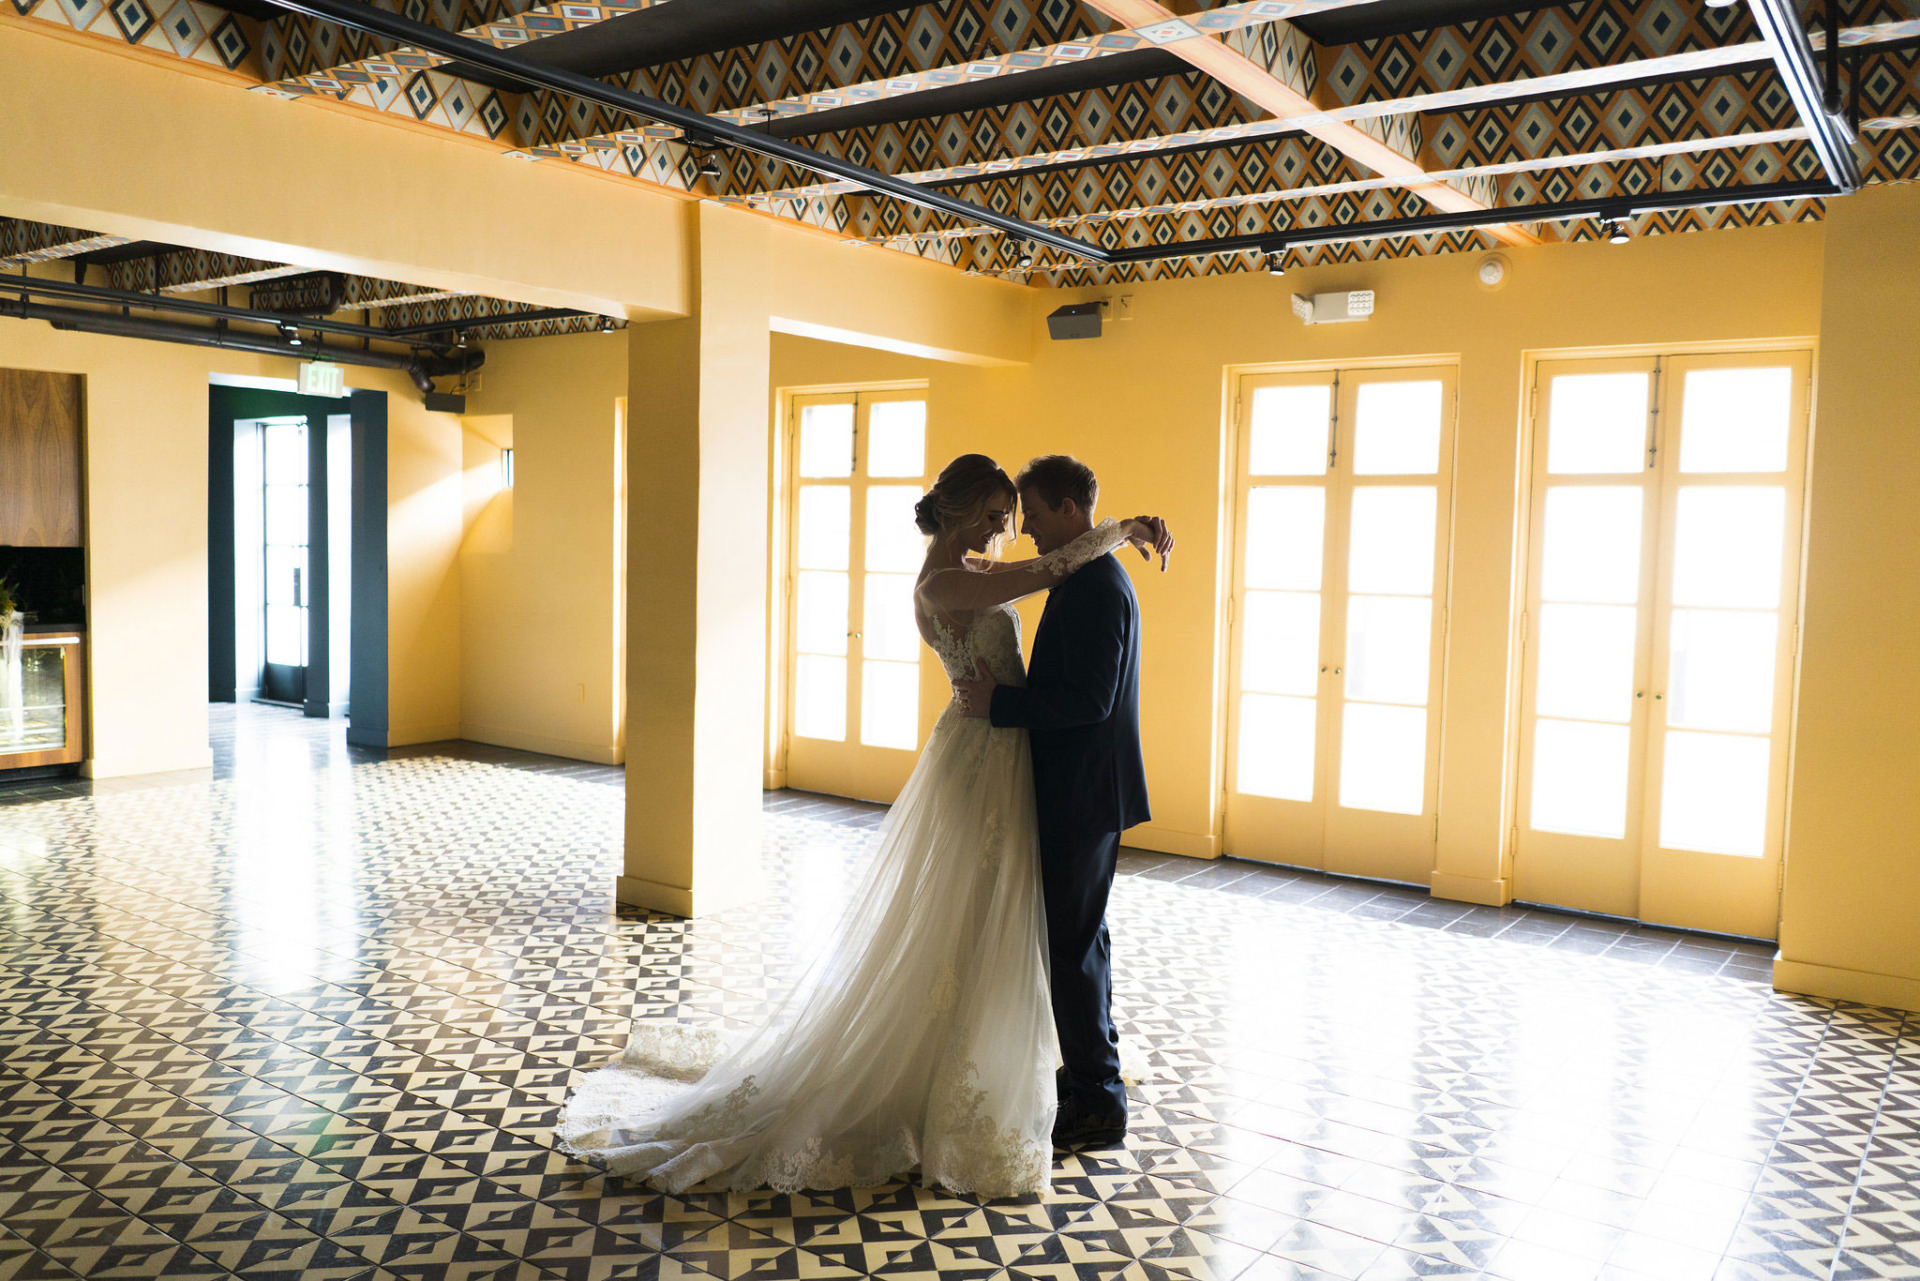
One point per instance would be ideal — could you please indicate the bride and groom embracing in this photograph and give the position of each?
(972, 956)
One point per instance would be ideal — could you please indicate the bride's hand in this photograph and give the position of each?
(1150, 535)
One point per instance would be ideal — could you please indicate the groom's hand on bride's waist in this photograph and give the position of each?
(975, 697)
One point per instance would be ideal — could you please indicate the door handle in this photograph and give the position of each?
(296, 586)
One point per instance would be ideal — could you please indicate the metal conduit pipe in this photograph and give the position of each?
(194, 307)
(422, 369)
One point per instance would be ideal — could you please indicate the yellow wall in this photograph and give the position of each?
(151, 153)
(1850, 910)
(1144, 406)
(146, 495)
(539, 658)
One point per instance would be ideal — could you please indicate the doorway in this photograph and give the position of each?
(296, 567)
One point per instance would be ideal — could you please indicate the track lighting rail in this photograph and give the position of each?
(1779, 22)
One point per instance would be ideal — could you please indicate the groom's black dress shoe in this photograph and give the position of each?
(1077, 1126)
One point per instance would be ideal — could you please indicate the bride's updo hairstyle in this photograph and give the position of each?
(967, 487)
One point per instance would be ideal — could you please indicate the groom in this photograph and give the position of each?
(1081, 707)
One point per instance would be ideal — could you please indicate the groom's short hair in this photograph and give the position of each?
(1058, 477)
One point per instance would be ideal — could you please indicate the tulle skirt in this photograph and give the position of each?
(921, 1036)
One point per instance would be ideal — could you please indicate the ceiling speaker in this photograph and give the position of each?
(1080, 320)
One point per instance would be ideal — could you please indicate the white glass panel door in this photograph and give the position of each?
(1723, 640)
(860, 465)
(1664, 551)
(1588, 624)
(1343, 477)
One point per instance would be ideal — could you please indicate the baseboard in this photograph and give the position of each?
(1165, 840)
(776, 780)
(411, 735)
(1861, 986)
(571, 749)
(108, 767)
(653, 896)
(1492, 892)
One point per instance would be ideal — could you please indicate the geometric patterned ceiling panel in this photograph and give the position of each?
(1157, 140)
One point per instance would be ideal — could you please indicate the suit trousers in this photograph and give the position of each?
(1076, 876)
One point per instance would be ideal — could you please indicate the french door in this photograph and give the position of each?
(859, 466)
(1659, 634)
(1338, 611)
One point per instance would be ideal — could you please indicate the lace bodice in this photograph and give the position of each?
(989, 633)
(991, 636)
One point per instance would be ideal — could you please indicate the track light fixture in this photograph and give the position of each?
(291, 334)
(606, 324)
(1721, 4)
(1614, 232)
(1025, 260)
(1277, 264)
(460, 338)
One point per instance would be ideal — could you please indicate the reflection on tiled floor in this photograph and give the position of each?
(311, 1014)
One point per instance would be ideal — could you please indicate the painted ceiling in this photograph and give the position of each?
(1125, 123)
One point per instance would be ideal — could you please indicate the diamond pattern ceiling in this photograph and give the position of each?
(1227, 120)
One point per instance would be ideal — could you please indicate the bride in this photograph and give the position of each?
(923, 1033)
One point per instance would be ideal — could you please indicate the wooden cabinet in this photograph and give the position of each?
(39, 459)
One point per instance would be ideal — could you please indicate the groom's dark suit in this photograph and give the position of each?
(1081, 707)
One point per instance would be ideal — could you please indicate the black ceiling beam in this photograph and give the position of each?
(488, 322)
(123, 253)
(1779, 23)
(1273, 242)
(26, 285)
(393, 26)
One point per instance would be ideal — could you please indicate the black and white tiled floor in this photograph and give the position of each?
(311, 1014)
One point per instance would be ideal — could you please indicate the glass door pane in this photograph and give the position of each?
(823, 527)
(1274, 712)
(286, 591)
(1734, 486)
(1586, 629)
(1588, 638)
(890, 668)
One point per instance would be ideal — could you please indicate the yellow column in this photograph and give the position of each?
(1851, 893)
(696, 581)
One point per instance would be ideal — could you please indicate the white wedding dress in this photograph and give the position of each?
(923, 1036)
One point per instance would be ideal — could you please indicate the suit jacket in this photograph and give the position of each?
(1081, 706)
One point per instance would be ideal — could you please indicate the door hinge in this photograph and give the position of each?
(1653, 419)
(1230, 610)
(1523, 629)
(1513, 838)
(1779, 875)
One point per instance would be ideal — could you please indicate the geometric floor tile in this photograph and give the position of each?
(312, 1013)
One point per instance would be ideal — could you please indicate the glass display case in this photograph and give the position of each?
(40, 702)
